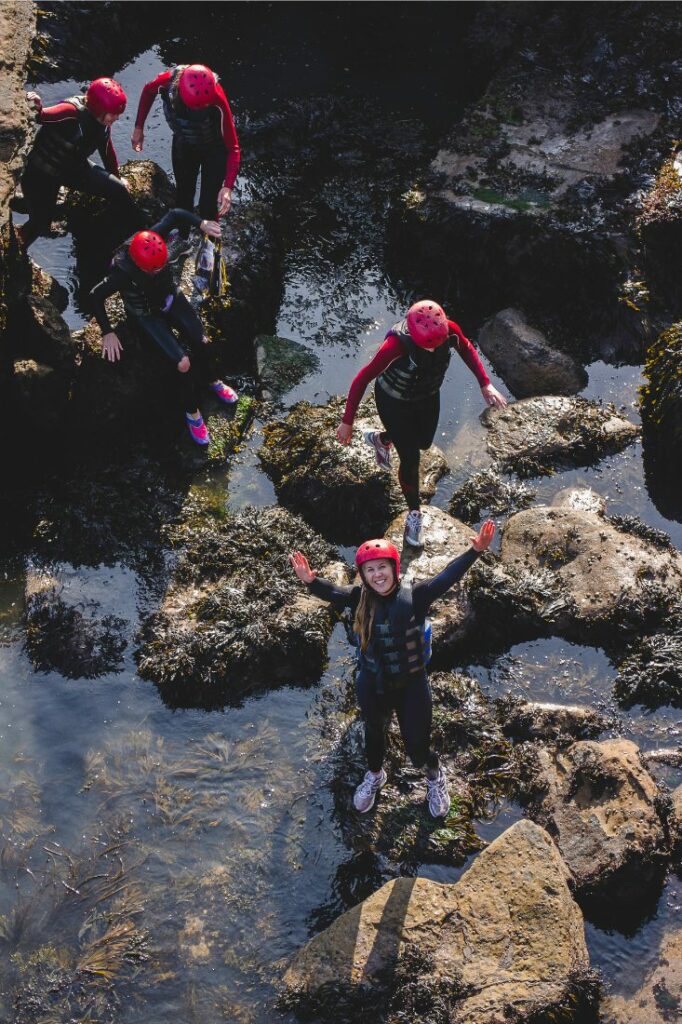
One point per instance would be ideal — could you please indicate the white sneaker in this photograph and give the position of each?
(177, 246)
(365, 794)
(383, 452)
(414, 529)
(437, 795)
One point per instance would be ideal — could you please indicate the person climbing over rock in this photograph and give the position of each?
(69, 133)
(141, 274)
(409, 369)
(393, 652)
(204, 140)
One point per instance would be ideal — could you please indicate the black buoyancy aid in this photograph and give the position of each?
(397, 647)
(62, 145)
(143, 294)
(192, 127)
(419, 373)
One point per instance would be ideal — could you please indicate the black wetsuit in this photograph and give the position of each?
(409, 697)
(156, 307)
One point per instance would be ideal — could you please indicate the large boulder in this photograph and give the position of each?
(659, 999)
(576, 574)
(338, 489)
(661, 404)
(234, 617)
(504, 942)
(599, 804)
(525, 360)
(538, 435)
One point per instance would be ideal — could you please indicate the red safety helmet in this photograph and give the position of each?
(374, 549)
(105, 96)
(197, 86)
(148, 251)
(427, 324)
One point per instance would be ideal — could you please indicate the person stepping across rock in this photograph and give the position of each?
(141, 273)
(409, 368)
(393, 650)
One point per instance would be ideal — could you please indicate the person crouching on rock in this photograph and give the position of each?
(69, 133)
(409, 369)
(392, 647)
(204, 139)
(140, 272)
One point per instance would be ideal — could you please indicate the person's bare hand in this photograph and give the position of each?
(35, 99)
(344, 433)
(484, 537)
(224, 201)
(299, 563)
(493, 397)
(211, 227)
(137, 139)
(111, 347)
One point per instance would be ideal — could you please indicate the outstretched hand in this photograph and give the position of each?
(484, 537)
(493, 397)
(299, 563)
(344, 433)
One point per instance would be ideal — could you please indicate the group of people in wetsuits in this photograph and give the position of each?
(389, 614)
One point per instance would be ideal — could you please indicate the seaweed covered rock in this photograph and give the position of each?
(282, 364)
(234, 617)
(149, 186)
(339, 489)
(488, 493)
(69, 634)
(504, 942)
(453, 616)
(575, 574)
(600, 805)
(476, 757)
(538, 435)
(659, 998)
(530, 720)
(46, 336)
(651, 673)
(660, 228)
(661, 404)
(525, 360)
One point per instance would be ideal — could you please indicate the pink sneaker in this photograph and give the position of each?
(224, 393)
(197, 430)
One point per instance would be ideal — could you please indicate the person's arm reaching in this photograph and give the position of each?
(184, 218)
(391, 350)
(470, 356)
(229, 136)
(340, 597)
(147, 97)
(426, 592)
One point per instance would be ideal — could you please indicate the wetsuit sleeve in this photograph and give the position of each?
(148, 95)
(391, 350)
(229, 134)
(176, 219)
(108, 156)
(59, 112)
(109, 286)
(469, 354)
(426, 592)
(340, 597)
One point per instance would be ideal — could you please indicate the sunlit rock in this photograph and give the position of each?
(530, 720)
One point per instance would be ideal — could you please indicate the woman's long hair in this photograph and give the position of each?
(365, 612)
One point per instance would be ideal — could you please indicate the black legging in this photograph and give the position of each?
(413, 707)
(41, 192)
(411, 426)
(187, 162)
(187, 323)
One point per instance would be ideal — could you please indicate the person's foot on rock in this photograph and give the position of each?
(437, 795)
(366, 793)
(414, 529)
(198, 430)
(225, 393)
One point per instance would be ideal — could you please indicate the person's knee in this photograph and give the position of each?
(184, 364)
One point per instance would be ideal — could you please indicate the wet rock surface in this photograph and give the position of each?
(235, 618)
(661, 405)
(488, 493)
(16, 36)
(282, 364)
(582, 499)
(600, 805)
(537, 435)
(506, 939)
(660, 228)
(338, 489)
(574, 574)
(526, 361)
(479, 767)
(651, 673)
(659, 1000)
(530, 720)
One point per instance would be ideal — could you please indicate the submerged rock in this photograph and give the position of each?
(574, 574)
(537, 435)
(525, 360)
(659, 999)
(599, 804)
(505, 940)
(235, 618)
(339, 489)
(488, 494)
(282, 364)
(582, 499)
(529, 720)
(661, 404)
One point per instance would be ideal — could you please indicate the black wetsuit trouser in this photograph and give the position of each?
(413, 707)
(41, 191)
(158, 326)
(188, 161)
(411, 426)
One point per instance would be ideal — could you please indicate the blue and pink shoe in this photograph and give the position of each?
(224, 393)
(198, 430)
